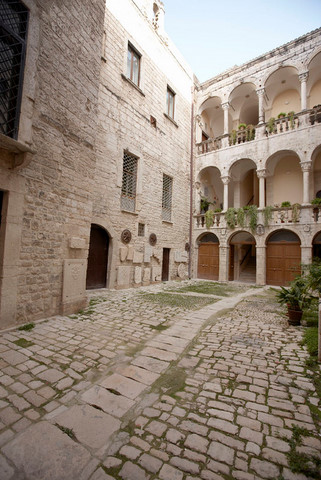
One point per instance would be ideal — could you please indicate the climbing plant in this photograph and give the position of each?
(230, 217)
(267, 214)
(209, 216)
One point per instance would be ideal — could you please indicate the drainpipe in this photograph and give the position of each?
(191, 190)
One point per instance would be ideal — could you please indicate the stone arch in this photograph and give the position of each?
(283, 90)
(244, 102)
(284, 179)
(316, 177)
(314, 79)
(283, 257)
(244, 184)
(211, 117)
(242, 257)
(209, 186)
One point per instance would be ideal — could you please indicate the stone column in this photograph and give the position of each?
(306, 255)
(260, 93)
(226, 107)
(261, 174)
(306, 169)
(261, 265)
(303, 77)
(226, 181)
(237, 194)
(223, 269)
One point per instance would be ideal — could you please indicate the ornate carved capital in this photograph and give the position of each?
(261, 173)
(226, 180)
(303, 77)
(225, 106)
(260, 92)
(306, 166)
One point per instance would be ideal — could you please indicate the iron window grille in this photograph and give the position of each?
(167, 198)
(133, 65)
(128, 191)
(141, 229)
(170, 102)
(13, 35)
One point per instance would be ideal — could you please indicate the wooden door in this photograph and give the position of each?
(283, 262)
(231, 264)
(97, 258)
(165, 266)
(208, 261)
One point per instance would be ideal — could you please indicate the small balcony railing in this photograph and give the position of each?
(209, 145)
(283, 124)
(278, 216)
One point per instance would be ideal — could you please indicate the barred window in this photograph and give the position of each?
(167, 198)
(13, 34)
(128, 190)
(141, 229)
(170, 102)
(133, 65)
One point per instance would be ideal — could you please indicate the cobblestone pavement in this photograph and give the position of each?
(153, 384)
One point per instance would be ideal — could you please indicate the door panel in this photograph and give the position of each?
(283, 262)
(208, 261)
(165, 266)
(97, 258)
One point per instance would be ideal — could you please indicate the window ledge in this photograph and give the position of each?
(16, 154)
(132, 84)
(170, 222)
(171, 119)
(128, 211)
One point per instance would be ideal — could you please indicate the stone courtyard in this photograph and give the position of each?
(173, 382)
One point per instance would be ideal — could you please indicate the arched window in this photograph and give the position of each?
(13, 28)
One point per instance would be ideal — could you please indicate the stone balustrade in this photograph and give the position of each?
(279, 216)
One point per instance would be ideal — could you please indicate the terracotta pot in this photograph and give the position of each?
(294, 316)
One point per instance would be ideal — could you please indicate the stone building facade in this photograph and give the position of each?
(108, 143)
(258, 139)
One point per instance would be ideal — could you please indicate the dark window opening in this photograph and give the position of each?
(153, 121)
(318, 194)
(13, 34)
(141, 229)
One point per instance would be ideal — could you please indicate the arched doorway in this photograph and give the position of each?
(283, 257)
(316, 246)
(97, 258)
(208, 257)
(242, 265)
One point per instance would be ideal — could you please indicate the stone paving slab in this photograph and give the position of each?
(219, 400)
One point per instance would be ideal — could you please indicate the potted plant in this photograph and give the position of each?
(316, 201)
(296, 297)
(291, 118)
(250, 132)
(242, 126)
(233, 135)
(282, 115)
(285, 204)
(205, 203)
(270, 125)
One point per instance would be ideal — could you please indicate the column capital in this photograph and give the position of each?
(303, 77)
(260, 91)
(306, 166)
(225, 105)
(262, 173)
(226, 179)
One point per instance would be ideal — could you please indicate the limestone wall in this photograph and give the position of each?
(58, 122)
(124, 124)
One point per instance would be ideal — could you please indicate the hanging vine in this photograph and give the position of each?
(240, 217)
(252, 216)
(209, 217)
(295, 212)
(230, 217)
(267, 214)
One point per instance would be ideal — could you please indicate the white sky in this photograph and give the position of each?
(214, 35)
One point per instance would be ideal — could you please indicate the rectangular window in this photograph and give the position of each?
(128, 190)
(133, 65)
(141, 229)
(167, 198)
(170, 102)
(13, 34)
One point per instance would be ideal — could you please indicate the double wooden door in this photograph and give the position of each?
(208, 261)
(283, 262)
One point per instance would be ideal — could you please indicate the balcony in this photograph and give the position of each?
(278, 216)
(272, 128)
